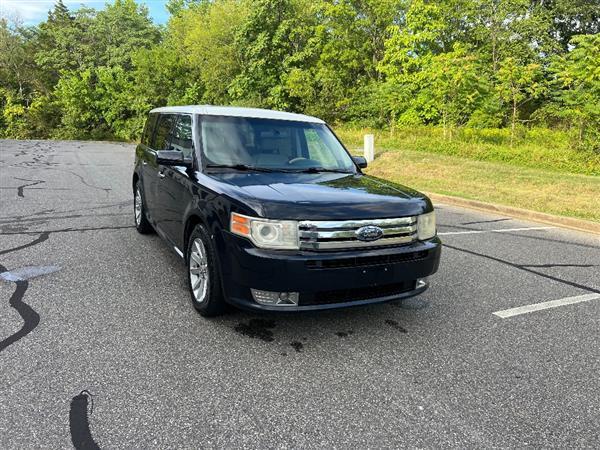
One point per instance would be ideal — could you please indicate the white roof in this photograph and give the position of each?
(237, 112)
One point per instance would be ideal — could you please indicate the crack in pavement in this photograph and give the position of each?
(67, 230)
(485, 221)
(35, 215)
(547, 266)
(71, 216)
(79, 424)
(43, 237)
(106, 190)
(23, 186)
(525, 268)
(31, 319)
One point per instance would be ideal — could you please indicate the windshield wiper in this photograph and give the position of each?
(321, 169)
(241, 167)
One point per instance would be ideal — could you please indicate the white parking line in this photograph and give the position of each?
(502, 230)
(546, 305)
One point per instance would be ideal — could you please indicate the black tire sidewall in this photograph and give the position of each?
(144, 226)
(214, 304)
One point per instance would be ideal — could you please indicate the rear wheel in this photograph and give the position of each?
(139, 209)
(204, 280)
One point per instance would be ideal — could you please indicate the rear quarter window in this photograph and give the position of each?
(162, 136)
(149, 129)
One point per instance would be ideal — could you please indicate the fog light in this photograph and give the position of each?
(275, 298)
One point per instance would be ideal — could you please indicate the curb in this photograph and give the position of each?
(518, 213)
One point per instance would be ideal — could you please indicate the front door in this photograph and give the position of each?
(175, 193)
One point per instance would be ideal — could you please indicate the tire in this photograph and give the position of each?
(202, 264)
(141, 222)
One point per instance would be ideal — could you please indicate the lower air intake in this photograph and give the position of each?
(354, 295)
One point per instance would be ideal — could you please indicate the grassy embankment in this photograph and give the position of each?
(540, 172)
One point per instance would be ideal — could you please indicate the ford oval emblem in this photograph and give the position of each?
(369, 233)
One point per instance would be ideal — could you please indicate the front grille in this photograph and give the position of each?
(340, 235)
(362, 261)
(353, 295)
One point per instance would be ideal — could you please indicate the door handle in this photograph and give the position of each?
(144, 162)
(161, 174)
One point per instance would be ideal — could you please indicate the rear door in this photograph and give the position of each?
(146, 157)
(160, 141)
(175, 184)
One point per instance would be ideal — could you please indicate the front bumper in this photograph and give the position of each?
(326, 280)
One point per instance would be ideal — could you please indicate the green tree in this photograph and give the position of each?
(118, 31)
(266, 43)
(78, 100)
(203, 38)
(336, 73)
(578, 88)
(571, 18)
(61, 43)
(517, 85)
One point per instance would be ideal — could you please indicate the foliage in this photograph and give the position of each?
(578, 89)
(458, 64)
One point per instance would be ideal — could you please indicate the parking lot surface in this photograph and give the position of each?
(99, 343)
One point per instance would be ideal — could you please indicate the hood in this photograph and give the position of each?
(325, 196)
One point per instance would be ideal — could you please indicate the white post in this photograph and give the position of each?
(369, 147)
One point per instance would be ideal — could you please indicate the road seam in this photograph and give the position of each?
(501, 230)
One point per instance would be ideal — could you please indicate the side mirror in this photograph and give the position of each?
(172, 158)
(360, 161)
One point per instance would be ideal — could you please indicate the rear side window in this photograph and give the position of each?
(163, 131)
(149, 129)
(181, 139)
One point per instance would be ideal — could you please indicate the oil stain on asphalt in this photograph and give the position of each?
(344, 334)
(297, 345)
(396, 325)
(257, 329)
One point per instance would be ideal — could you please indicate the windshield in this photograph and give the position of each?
(272, 145)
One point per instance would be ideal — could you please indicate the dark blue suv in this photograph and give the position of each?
(270, 212)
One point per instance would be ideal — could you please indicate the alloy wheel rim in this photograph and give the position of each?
(199, 270)
(138, 206)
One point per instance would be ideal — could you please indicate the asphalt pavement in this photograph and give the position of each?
(99, 344)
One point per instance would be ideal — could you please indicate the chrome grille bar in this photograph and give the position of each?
(339, 235)
(354, 224)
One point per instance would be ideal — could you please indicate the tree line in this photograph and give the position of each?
(90, 74)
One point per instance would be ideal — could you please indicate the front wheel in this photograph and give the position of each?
(204, 280)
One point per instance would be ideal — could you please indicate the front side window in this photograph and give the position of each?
(272, 144)
(181, 138)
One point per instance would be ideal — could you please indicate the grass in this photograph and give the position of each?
(504, 177)
(537, 148)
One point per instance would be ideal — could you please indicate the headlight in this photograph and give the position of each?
(264, 233)
(426, 226)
